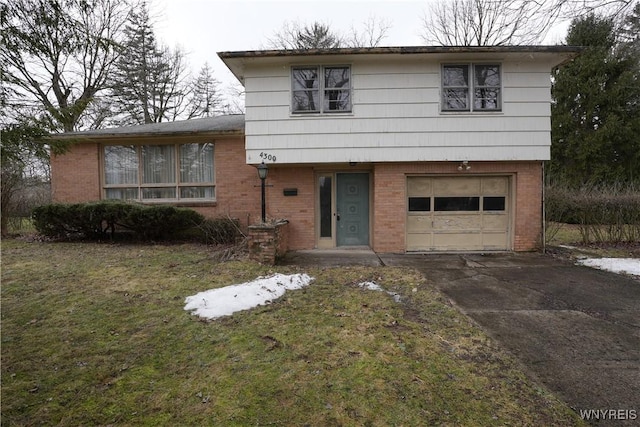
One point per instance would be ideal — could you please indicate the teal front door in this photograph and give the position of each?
(352, 209)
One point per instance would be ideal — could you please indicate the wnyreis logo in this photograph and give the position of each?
(608, 414)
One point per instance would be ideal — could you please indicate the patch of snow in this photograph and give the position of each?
(372, 286)
(616, 265)
(216, 303)
(567, 247)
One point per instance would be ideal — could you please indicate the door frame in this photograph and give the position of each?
(331, 242)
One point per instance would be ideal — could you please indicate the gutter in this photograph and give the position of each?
(69, 136)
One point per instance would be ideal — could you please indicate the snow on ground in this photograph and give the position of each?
(616, 265)
(372, 286)
(225, 301)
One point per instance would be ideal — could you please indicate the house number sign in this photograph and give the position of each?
(267, 156)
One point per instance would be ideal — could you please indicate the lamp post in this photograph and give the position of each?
(262, 174)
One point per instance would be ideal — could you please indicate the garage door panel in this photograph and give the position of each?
(495, 222)
(418, 186)
(419, 223)
(469, 213)
(457, 223)
(495, 186)
(495, 240)
(456, 186)
(419, 242)
(457, 241)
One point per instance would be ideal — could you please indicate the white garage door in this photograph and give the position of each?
(458, 213)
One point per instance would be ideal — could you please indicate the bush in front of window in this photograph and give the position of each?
(152, 223)
(102, 220)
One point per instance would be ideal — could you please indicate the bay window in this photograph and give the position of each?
(159, 172)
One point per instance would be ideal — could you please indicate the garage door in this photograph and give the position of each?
(458, 213)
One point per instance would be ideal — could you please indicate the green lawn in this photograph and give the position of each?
(96, 334)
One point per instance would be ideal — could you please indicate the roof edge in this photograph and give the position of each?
(88, 136)
(226, 125)
(401, 50)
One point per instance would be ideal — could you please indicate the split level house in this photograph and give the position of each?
(397, 149)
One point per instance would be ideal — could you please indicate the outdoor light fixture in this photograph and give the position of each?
(262, 171)
(262, 174)
(464, 166)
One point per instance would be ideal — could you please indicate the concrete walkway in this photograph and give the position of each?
(576, 329)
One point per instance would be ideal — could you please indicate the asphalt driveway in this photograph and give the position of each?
(575, 328)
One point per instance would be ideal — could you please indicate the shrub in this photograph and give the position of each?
(159, 222)
(219, 231)
(101, 220)
(603, 213)
(52, 220)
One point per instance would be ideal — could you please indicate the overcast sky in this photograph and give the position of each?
(204, 27)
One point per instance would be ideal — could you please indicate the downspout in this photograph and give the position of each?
(544, 219)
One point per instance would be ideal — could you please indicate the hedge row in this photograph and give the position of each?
(603, 214)
(104, 220)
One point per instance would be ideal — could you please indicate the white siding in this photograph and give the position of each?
(396, 117)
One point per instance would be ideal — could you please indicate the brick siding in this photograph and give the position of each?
(299, 210)
(75, 175)
(390, 188)
(268, 242)
(76, 178)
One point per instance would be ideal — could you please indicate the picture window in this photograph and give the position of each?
(159, 172)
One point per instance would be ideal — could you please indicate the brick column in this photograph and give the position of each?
(268, 242)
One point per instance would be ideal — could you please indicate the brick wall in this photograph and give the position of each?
(268, 242)
(528, 210)
(389, 202)
(237, 184)
(299, 210)
(75, 178)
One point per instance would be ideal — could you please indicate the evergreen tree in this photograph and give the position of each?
(149, 83)
(317, 36)
(205, 99)
(310, 36)
(595, 113)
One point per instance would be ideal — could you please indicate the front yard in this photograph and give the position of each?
(97, 334)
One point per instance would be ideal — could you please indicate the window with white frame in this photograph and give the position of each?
(471, 87)
(159, 172)
(321, 89)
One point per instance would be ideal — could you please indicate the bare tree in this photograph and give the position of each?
(232, 101)
(504, 22)
(59, 54)
(319, 35)
(374, 30)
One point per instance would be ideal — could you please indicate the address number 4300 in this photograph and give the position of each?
(267, 156)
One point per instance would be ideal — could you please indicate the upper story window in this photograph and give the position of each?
(159, 172)
(471, 87)
(317, 89)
